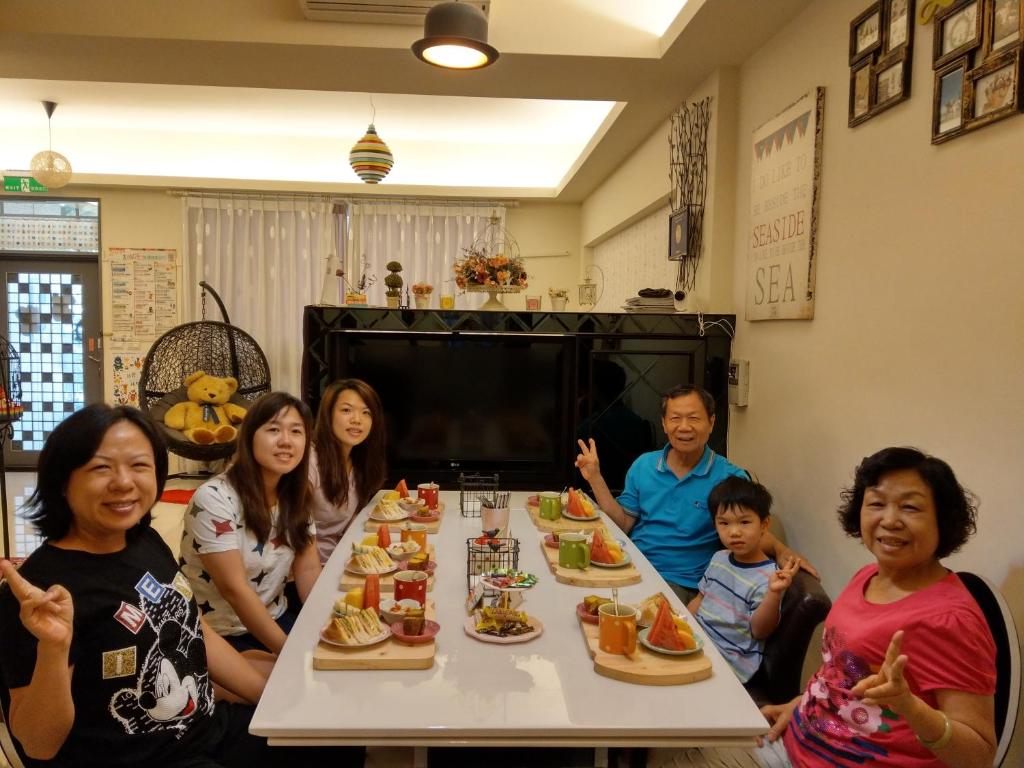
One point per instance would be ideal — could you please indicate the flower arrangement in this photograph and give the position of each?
(558, 293)
(422, 289)
(477, 268)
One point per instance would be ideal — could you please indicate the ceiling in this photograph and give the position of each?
(250, 94)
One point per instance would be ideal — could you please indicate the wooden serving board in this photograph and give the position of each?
(645, 667)
(389, 654)
(562, 524)
(592, 576)
(350, 581)
(371, 526)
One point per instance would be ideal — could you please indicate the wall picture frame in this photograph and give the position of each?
(899, 25)
(994, 89)
(678, 223)
(949, 101)
(891, 81)
(1004, 25)
(862, 96)
(957, 31)
(866, 33)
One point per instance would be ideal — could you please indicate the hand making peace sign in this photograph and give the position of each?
(887, 687)
(47, 615)
(780, 580)
(586, 461)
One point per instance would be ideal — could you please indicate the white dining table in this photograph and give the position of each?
(543, 692)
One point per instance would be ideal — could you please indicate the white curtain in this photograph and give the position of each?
(266, 257)
(425, 237)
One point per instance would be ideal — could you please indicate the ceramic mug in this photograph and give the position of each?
(494, 518)
(549, 505)
(428, 492)
(416, 532)
(573, 550)
(616, 628)
(411, 585)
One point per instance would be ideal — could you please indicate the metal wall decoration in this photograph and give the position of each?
(688, 175)
(976, 55)
(881, 52)
(11, 409)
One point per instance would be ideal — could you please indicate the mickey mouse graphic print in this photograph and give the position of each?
(140, 686)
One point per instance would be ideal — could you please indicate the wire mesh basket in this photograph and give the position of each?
(488, 553)
(473, 489)
(11, 407)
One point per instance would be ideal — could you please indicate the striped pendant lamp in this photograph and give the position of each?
(370, 157)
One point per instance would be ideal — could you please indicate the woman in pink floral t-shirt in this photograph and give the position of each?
(908, 672)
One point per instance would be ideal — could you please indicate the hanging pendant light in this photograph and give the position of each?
(455, 37)
(370, 157)
(49, 168)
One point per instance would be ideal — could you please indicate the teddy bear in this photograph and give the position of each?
(207, 416)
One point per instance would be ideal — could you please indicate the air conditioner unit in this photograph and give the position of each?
(409, 12)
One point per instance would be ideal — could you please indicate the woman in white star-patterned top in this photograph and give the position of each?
(248, 529)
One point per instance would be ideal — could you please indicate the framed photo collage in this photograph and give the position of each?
(976, 54)
(881, 44)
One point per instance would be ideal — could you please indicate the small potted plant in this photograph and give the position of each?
(421, 294)
(393, 281)
(559, 298)
(355, 295)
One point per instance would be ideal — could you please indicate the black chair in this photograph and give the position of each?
(804, 607)
(1004, 632)
(219, 349)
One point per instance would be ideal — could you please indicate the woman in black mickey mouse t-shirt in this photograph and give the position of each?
(102, 648)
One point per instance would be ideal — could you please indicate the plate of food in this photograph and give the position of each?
(502, 626)
(402, 550)
(648, 608)
(587, 610)
(388, 512)
(617, 555)
(580, 507)
(425, 516)
(368, 559)
(413, 506)
(685, 646)
(392, 610)
(414, 630)
(507, 578)
(355, 631)
(551, 540)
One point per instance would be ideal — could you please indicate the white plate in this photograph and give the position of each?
(388, 519)
(470, 628)
(595, 516)
(642, 637)
(626, 560)
(351, 567)
(372, 641)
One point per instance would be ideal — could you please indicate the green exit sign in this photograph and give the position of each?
(22, 184)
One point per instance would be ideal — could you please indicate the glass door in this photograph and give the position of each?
(52, 317)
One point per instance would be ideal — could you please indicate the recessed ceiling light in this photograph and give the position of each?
(455, 37)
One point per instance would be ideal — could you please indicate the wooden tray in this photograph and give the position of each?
(389, 654)
(562, 524)
(645, 667)
(592, 576)
(387, 581)
(371, 526)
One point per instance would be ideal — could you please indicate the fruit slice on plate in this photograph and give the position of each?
(662, 633)
(644, 638)
(402, 488)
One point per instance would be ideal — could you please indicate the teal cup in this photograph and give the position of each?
(573, 550)
(550, 505)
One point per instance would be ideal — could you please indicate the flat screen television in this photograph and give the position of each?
(469, 402)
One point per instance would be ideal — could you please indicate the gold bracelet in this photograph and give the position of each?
(943, 740)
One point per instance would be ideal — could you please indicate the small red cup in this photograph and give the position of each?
(428, 492)
(412, 585)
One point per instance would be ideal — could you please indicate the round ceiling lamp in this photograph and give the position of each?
(49, 168)
(455, 37)
(370, 157)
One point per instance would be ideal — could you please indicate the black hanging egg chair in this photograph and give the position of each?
(219, 349)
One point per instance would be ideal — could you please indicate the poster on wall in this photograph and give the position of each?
(784, 175)
(143, 292)
(125, 369)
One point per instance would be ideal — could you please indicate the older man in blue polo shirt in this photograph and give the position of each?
(664, 507)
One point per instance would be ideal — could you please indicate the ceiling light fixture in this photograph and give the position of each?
(370, 157)
(49, 168)
(455, 37)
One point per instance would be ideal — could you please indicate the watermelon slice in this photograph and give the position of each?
(575, 507)
(599, 552)
(402, 488)
(663, 631)
(383, 537)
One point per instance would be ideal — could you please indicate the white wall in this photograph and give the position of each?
(916, 338)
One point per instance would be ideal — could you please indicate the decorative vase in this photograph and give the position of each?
(393, 301)
(493, 303)
(422, 301)
(355, 299)
(558, 303)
